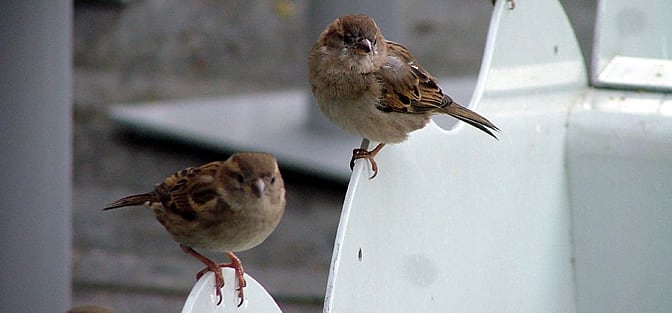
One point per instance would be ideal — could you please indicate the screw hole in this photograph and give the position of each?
(359, 255)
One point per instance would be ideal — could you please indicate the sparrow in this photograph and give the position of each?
(225, 206)
(375, 88)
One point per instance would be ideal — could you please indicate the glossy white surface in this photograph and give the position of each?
(458, 222)
(633, 45)
(202, 298)
(619, 157)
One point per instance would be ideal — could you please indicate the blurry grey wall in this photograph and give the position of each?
(35, 162)
(149, 49)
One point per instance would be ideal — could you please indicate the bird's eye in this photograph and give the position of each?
(348, 39)
(272, 180)
(240, 178)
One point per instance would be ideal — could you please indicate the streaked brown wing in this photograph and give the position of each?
(183, 192)
(406, 86)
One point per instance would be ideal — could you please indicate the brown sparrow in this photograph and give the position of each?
(374, 88)
(227, 206)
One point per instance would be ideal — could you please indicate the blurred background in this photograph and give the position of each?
(148, 50)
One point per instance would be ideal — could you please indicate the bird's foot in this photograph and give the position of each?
(219, 278)
(512, 3)
(369, 155)
(364, 154)
(240, 275)
(210, 266)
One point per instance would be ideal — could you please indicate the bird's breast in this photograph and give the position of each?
(229, 231)
(358, 114)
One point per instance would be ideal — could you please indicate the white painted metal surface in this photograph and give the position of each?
(458, 222)
(619, 151)
(202, 298)
(633, 45)
(619, 161)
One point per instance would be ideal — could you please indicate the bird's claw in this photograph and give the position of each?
(240, 275)
(219, 277)
(241, 296)
(241, 282)
(364, 154)
(218, 293)
(219, 281)
(512, 3)
(219, 284)
(357, 154)
(202, 272)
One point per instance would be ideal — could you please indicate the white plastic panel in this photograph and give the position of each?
(202, 298)
(633, 44)
(458, 222)
(619, 155)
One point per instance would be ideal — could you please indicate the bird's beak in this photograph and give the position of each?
(258, 187)
(364, 46)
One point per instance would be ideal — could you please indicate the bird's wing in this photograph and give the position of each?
(409, 88)
(190, 190)
(406, 86)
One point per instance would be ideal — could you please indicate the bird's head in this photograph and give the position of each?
(252, 178)
(356, 41)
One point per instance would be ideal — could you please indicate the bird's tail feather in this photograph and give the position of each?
(132, 200)
(470, 117)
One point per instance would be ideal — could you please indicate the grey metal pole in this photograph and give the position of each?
(35, 162)
(388, 16)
